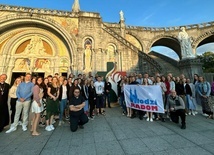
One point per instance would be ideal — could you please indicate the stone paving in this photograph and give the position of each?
(115, 134)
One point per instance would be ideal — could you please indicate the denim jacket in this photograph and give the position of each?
(203, 88)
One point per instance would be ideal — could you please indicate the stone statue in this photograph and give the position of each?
(185, 43)
(87, 53)
(121, 15)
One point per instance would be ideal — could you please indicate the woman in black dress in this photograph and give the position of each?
(4, 90)
(91, 98)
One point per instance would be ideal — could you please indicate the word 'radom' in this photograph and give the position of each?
(144, 107)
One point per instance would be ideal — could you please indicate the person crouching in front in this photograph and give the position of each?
(176, 107)
(77, 115)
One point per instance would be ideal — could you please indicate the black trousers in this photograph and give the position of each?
(77, 120)
(178, 113)
(91, 106)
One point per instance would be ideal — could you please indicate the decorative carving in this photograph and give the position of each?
(22, 65)
(35, 47)
(42, 65)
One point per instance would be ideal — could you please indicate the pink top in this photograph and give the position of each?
(36, 93)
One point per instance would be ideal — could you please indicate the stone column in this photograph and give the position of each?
(189, 67)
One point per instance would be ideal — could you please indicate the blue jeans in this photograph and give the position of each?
(62, 106)
(86, 106)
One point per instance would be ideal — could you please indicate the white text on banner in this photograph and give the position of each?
(145, 98)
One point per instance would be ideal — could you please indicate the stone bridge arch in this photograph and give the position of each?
(205, 38)
(169, 41)
(137, 39)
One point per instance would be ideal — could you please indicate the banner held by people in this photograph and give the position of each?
(145, 98)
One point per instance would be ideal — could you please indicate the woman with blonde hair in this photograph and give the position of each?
(52, 103)
(13, 98)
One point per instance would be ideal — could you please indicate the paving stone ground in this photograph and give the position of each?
(115, 134)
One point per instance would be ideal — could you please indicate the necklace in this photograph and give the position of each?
(2, 88)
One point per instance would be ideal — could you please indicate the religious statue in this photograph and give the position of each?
(121, 15)
(87, 54)
(185, 43)
(35, 46)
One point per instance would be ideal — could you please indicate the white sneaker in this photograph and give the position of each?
(205, 115)
(11, 130)
(24, 128)
(189, 113)
(52, 127)
(47, 128)
(193, 113)
(20, 123)
(196, 112)
(147, 119)
(151, 120)
(145, 115)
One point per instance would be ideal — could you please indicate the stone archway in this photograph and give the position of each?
(205, 38)
(18, 33)
(168, 41)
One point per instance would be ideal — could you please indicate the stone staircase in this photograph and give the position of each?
(168, 66)
(132, 47)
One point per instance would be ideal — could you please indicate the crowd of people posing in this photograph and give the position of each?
(80, 99)
(180, 96)
(73, 99)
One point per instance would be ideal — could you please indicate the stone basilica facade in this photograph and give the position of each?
(44, 42)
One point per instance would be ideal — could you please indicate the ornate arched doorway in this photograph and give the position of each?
(39, 48)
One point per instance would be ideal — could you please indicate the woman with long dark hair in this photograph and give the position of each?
(37, 106)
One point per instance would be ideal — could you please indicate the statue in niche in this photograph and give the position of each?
(35, 47)
(121, 15)
(87, 56)
(185, 43)
(111, 53)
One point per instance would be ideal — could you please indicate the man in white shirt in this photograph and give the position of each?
(99, 87)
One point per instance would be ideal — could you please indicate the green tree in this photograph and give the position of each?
(208, 62)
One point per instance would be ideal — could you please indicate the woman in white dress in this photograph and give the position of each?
(37, 106)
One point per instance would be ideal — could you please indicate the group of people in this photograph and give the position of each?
(69, 98)
(180, 96)
(80, 99)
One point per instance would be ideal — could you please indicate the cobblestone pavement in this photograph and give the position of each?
(116, 134)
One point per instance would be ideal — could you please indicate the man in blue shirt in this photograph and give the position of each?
(24, 93)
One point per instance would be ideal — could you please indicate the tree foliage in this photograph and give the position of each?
(208, 62)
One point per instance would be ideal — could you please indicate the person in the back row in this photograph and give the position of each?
(24, 93)
(99, 87)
